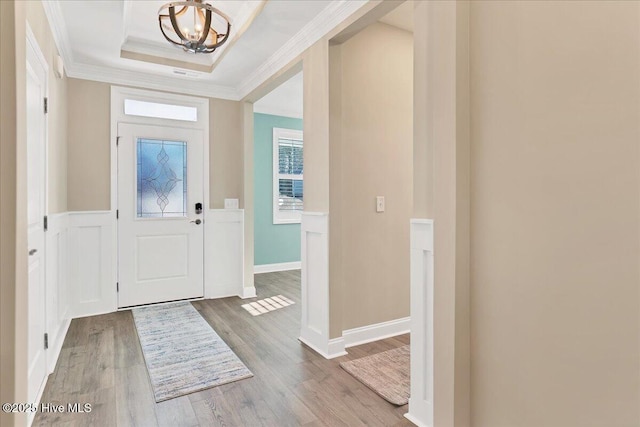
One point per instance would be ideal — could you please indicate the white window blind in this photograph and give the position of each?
(288, 181)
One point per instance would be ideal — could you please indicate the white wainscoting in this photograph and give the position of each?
(224, 254)
(57, 285)
(92, 267)
(281, 266)
(421, 400)
(314, 325)
(376, 332)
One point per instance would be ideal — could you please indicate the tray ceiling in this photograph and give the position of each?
(120, 42)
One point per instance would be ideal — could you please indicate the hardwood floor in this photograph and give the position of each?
(101, 363)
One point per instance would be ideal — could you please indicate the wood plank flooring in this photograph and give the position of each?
(101, 363)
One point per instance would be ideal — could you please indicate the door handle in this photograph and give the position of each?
(32, 252)
(197, 221)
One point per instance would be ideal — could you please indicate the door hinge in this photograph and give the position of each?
(46, 341)
(117, 141)
(46, 105)
(117, 286)
(117, 213)
(46, 223)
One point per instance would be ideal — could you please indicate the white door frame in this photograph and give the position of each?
(118, 95)
(33, 46)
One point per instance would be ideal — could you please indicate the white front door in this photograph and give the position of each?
(36, 190)
(160, 231)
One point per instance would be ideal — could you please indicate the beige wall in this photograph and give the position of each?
(7, 208)
(226, 151)
(336, 279)
(316, 128)
(555, 108)
(57, 116)
(374, 158)
(441, 191)
(89, 150)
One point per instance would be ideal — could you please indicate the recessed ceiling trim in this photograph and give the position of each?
(126, 17)
(152, 81)
(167, 54)
(325, 21)
(162, 60)
(246, 18)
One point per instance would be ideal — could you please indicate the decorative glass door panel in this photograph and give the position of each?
(161, 178)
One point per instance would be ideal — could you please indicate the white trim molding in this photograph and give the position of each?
(58, 290)
(376, 332)
(422, 285)
(281, 266)
(314, 325)
(224, 253)
(92, 267)
(248, 292)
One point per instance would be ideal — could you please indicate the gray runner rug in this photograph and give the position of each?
(386, 373)
(182, 352)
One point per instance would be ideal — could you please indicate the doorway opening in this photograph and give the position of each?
(278, 195)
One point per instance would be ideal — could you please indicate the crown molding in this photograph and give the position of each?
(323, 23)
(151, 81)
(59, 30)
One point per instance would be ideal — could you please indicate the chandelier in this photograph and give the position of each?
(190, 25)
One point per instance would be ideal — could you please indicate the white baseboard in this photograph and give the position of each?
(376, 332)
(335, 348)
(248, 292)
(283, 266)
(225, 293)
(414, 420)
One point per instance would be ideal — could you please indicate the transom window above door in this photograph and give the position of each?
(288, 181)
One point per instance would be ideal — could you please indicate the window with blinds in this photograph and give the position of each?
(288, 188)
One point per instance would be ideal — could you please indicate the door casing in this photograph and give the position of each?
(118, 95)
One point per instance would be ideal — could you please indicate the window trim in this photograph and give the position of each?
(294, 217)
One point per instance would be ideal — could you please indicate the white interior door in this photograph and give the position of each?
(36, 191)
(160, 233)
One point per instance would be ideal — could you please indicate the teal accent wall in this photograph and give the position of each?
(273, 243)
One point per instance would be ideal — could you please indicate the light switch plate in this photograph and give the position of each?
(379, 203)
(231, 204)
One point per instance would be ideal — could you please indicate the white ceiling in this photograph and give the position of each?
(285, 100)
(92, 34)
